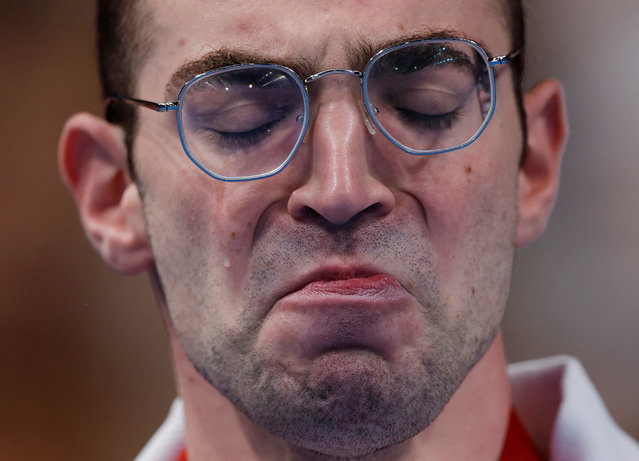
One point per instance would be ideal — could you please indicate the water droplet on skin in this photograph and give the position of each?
(227, 262)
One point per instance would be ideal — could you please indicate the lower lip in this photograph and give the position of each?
(354, 314)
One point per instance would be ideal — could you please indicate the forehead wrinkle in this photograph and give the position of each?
(225, 57)
(360, 53)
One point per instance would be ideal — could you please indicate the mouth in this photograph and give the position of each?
(352, 281)
(346, 310)
(373, 286)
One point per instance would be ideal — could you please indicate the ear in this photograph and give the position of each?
(539, 173)
(92, 157)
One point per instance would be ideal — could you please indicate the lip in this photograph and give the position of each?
(327, 294)
(377, 285)
(343, 281)
(342, 309)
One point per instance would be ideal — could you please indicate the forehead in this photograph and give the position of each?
(320, 31)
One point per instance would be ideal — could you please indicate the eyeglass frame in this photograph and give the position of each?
(302, 82)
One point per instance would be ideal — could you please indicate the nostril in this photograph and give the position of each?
(376, 209)
(307, 213)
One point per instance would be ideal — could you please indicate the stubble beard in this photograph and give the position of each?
(372, 407)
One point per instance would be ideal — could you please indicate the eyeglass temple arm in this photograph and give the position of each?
(498, 60)
(156, 106)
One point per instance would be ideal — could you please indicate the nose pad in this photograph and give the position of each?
(370, 125)
(341, 185)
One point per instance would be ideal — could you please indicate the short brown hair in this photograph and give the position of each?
(123, 43)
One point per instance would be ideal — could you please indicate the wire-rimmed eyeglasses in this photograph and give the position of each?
(246, 122)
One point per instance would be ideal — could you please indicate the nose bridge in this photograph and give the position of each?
(338, 138)
(343, 86)
(341, 184)
(334, 85)
(337, 135)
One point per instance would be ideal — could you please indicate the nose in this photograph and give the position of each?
(342, 184)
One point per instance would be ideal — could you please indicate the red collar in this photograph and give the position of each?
(518, 446)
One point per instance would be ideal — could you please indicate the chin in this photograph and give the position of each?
(348, 404)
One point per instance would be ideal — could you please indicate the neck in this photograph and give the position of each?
(477, 414)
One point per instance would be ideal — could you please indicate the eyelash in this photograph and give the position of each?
(247, 139)
(243, 139)
(430, 122)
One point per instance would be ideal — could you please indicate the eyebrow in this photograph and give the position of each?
(225, 57)
(358, 56)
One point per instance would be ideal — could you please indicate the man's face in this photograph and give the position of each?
(341, 302)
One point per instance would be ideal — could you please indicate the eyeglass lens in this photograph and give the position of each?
(244, 121)
(426, 96)
(429, 96)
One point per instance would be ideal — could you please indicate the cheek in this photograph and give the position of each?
(202, 227)
(469, 199)
(470, 203)
(201, 231)
(185, 204)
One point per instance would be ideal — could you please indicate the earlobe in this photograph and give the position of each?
(539, 173)
(92, 156)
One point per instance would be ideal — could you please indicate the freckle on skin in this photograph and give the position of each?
(233, 235)
(181, 42)
(400, 26)
(243, 26)
(473, 290)
(469, 169)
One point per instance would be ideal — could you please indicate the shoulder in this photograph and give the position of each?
(564, 414)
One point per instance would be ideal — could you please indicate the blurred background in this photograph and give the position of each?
(84, 366)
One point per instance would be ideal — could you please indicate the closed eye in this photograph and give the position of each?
(444, 121)
(233, 140)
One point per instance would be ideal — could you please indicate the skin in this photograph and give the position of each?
(336, 374)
